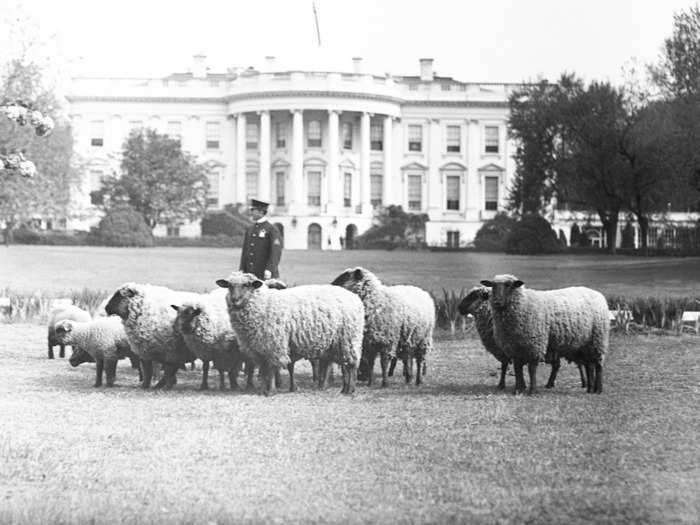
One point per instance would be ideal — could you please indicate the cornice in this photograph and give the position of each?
(101, 98)
(308, 93)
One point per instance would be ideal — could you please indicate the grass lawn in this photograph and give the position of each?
(57, 269)
(451, 450)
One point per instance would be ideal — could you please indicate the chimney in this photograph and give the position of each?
(426, 69)
(269, 63)
(199, 66)
(357, 65)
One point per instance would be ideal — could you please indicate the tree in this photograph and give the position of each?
(159, 180)
(394, 228)
(494, 233)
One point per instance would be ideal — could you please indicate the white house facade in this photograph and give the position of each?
(323, 147)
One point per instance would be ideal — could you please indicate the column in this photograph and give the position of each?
(240, 159)
(264, 175)
(365, 203)
(227, 192)
(332, 171)
(297, 174)
(435, 187)
(388, 167)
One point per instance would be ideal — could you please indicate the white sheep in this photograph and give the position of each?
(104, 339)
(399, 321)
(57, 314)
(148, 321)
(534, 325)
(278, 327)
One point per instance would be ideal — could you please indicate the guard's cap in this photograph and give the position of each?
(259, 205)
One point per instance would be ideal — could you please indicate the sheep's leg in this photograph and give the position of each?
(502, 382)
(519, 379)
(249, 372)
(269, 379)
(590, 378)
(323, 366)
(370, 367)
(99, 367)
(598, 377)
(392, 366)
(419, 361)
(205, 375)
(349, 373)
(408, 369)
(292, 384)
(329, 375)
(63, 351)
(314, 371)
(278, 378)
(556, 365)
(384, 361)
(111, 371)
(147, 372)
(51, 356)
(580, 372)
(169, 375)
(532, 372)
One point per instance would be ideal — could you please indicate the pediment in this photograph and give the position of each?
(491, 167)
(314, 161)
(347, 164)
(213, 163)
(280, 163)
(252, 163)
(453, 166)
(416, 166)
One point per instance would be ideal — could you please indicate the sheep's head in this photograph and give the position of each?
(80, 356)
(241, 286)
(474, 299)
(118, 304)
(355, 280)
(502, 286)
(63, 331)
(187, 316)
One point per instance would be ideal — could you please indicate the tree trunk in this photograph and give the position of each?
(643, 222)
(609, 222)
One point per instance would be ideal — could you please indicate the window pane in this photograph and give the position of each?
(96, 196)
(212, 135)
(97, 133)
(314, 188)
(251, 136)
(376, 185)
(415, 192)
(213, 192)
(279, 187)
(453, 139)
(375, 137)
(347, 190)
(347, 135)
(452, 187)
(314, 134)
(415, 138)
(251, 185)
(491, 193)
(281, 134)
(491, 139)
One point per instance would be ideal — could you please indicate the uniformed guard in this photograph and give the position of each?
(262, 244)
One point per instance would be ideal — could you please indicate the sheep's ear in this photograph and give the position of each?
(223, 283)
(128, 292)
(257, 283)
(175, 307)
(487, 283)
(357, 274)
(196, 311)
(518, 284)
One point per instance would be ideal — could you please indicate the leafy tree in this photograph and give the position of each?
(122, 226)
(493, 234)
(532, 235)
(159, 180)
(394, 228)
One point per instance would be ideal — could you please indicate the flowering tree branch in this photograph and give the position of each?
(23, 113)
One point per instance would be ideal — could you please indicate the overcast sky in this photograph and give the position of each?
(476, 41)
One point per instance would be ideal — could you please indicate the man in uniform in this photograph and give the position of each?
(262, 245)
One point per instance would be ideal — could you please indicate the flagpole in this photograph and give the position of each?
(318, 31)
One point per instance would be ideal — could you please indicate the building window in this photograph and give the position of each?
(172, 231)
(280, 135)
(175, 130)
(212, 135)
(445, 87)
(251, 185)
(347, 135)
(251, 136)
(453, 239)
(279, 188)
(313, 134)
(653, 236)
(454, 139)
(96, 194)
(452, 185)
(213, 191)
(491, 139)
(415, 137)
(97, 133)
(314, 188)
(413, 87)
(415, 192)
(491, 193)
(375, 137)
(376, 186)
(135, 125)
(347, 190)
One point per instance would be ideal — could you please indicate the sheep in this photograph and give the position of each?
(63, 312)
(534, 325)
(104, 339)
(399, 321)
(148, 320)
(206, 329)
(278, 327)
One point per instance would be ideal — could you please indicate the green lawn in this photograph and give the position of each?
(451, 450)
(26, 269)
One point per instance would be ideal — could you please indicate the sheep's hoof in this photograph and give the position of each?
(501, 386)
(548, 385)
(96, 385)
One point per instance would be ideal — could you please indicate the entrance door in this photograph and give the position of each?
(350, 233)
(314, 237)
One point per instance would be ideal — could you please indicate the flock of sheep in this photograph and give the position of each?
(265, 325)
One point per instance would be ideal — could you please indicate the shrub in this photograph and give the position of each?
(205, 241)
(532, 235)
(122, 226)
(394, 228)
(492, 236)
(26, 235)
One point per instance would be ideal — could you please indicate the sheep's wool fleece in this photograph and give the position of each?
(573, 322)
(102, 338)
(310, 321)
(149, 324)
(67, 312)
(211, 336)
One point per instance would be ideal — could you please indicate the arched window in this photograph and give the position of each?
(314, 236)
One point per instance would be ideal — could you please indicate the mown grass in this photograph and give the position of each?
(452, 450)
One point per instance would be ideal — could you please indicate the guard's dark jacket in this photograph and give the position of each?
(262, 249)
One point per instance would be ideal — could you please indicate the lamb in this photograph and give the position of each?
(148, 320)
(399, 321)
(64, 312)
(278, 327)
(533, 325)
(104, 339)
(206, 329)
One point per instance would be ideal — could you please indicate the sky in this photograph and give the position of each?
(471, 41)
